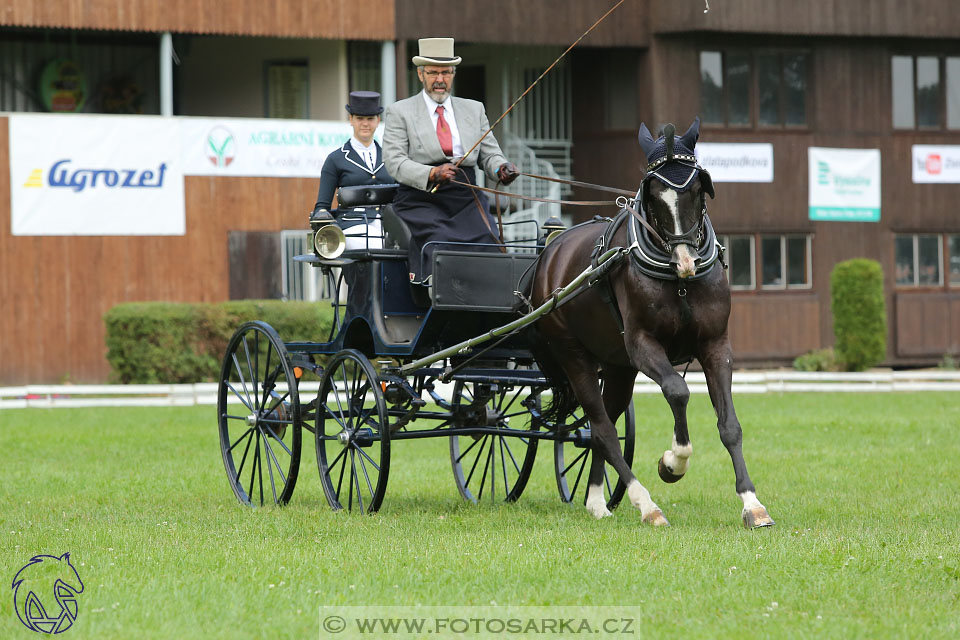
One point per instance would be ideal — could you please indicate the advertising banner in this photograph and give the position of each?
(255, 147)
(736, 162)
(844, 184)
(936, 163)
(95, 176)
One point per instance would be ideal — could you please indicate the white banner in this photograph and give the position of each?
(936, 163)
(737, 162)
(844, 184)
(272, 148)
(95, 175)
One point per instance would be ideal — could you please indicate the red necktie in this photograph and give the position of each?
(443, 133)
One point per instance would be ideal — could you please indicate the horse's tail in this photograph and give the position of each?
(564, 401)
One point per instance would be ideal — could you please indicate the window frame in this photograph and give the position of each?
(729, 255)
(756, 271)
(942, 261)
(943, 103)
(753, 97)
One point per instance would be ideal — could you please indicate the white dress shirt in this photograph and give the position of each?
(368, 154)
(448, 116)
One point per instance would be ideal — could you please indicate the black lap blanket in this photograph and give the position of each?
(449, 215)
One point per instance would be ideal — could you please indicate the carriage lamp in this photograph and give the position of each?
(551, 229)
(327, 237)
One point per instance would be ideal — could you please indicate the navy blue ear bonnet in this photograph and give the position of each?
(671, 159)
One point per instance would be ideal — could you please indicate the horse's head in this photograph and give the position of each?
(41, 584)
(673, 194)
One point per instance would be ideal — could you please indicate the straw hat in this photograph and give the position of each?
(436, 51)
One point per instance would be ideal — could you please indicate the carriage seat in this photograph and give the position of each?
(396, 233)
(366, 195)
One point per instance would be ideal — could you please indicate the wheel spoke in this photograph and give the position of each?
(476, 460)
(268, 451)
(246, 403)
(372, 461)
(472, 445)
(237, 441)
(606, 479)
(577, 482)
(252, 372)
(510, 453)
(282, 444)
(575, 460)
(503, 467)
(236, 364)
(244, 459)
(363, 468)
(350, 490)
(266, 445)
(280, 401)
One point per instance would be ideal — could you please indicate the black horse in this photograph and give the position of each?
(664, 305)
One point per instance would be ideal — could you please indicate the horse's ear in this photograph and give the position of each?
(647, 143)
(706, 183)
(689, 139)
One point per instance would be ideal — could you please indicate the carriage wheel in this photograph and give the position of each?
(352, 434)
(493, 464)
(259, 415)
(572, 463)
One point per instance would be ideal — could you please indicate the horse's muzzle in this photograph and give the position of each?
(684, 260)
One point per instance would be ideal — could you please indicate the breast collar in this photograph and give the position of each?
(652, 260)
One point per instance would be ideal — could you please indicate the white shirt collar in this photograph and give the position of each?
(433, 104)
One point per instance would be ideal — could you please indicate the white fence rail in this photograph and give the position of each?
(205, 393)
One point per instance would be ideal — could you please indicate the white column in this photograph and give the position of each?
(388, 73)
(166, 74)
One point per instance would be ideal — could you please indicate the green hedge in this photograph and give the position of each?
(163, 342)
(859, 316)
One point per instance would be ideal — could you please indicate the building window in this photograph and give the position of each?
(729, 79)
(363, 62)
(287, 89)
(924, 88)
(918, 259)
(953, 251)
(785, 262)
(741, 260)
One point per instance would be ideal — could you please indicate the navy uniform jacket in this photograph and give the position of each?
(345, 168)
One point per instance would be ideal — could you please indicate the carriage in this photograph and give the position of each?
(404, 362)
(456, 360)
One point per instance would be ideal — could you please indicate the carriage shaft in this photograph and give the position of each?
(576, 286)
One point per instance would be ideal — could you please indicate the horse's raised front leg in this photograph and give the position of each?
(717, 361)
(649, 357)
(606, 445)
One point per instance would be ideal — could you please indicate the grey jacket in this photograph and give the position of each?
(411, 147)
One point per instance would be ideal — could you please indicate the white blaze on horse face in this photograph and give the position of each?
(685, 261)
(677, 459)
(596, 504)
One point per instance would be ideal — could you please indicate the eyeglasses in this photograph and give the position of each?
(442, 74)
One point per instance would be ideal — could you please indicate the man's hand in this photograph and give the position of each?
(507, 173)
(443, 173)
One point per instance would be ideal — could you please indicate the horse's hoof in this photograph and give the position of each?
(757, 517)
(656, 518)
(665, 473)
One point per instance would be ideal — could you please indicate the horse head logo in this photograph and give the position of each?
(45, 593)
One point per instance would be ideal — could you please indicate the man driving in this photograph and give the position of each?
(424, 136)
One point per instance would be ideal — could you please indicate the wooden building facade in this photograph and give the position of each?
(645, 63)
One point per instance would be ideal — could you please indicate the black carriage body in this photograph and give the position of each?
(472, 292)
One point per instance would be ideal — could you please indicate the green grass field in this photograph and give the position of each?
(864, 489)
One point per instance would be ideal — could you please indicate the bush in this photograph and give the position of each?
(818, 360)
(162, 342)
(859, 316)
